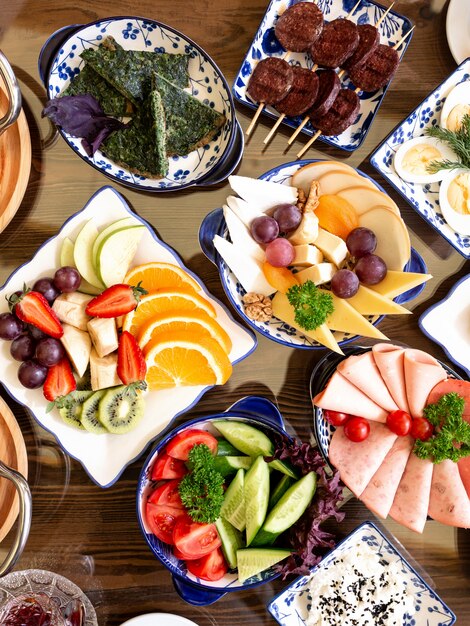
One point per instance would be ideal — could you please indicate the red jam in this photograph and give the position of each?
(31, 610)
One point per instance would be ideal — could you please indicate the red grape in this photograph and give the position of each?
(67, 279)
(421, 429)
(335, 418)
(49, 351)
(22, 348)
(361, 241)
(357, 429)
(46, 287)
(370, 269)
(344, 284)
(399, 422)
(288, 216)
(10, 326)
(280, 253)
(32, 374)
(36, 333)
(264, 229)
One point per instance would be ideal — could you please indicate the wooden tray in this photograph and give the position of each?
(12, 453)
(15, 164)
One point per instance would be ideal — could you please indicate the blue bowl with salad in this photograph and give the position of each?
(191, 501)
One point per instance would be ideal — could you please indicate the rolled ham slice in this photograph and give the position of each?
(362, 372)
(422, 373)
(341, 395)
(358, 462)
(411, 502)
(379, 494)
(449, 502)
(389, 361)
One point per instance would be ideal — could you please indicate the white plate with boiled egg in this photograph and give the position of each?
(442, 197)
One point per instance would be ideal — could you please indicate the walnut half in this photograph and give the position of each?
(257, 307)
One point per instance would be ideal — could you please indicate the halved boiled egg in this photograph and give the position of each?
(454, 199)
(413, 157)
(456, 105)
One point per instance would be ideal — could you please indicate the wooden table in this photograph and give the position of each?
(89, 534)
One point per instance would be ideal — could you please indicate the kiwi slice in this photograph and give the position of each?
(89, 416)
(121, 409)
(72, 409)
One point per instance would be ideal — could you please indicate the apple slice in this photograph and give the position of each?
(303, 177)
(263, 194)
(66, 259)
(393, 240)
(82, 254)
(243, 210)
(364, 199)
(116, 252)
(241, 237)
(122, 223)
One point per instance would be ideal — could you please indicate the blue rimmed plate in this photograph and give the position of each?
(265, 44)
(423, 198)
(104, 457)
(60, 61)
(290, 607)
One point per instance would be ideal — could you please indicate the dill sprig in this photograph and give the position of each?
(458, 140)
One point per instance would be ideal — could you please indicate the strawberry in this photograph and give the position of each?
(115, 301)
(33, 308)
(59, 380)
(131, 366)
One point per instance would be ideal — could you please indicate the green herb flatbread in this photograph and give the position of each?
(130, 71)
(140, 147)
(190, 123)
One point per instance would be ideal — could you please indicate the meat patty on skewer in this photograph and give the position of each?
(369, 39)
(337, 42)
(271, 80)
(328, 88)
(299, 26)
(302, 95)
(377, 70)
(341, 115)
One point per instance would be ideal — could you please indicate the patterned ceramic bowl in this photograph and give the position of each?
(275, 329)
(60, 61)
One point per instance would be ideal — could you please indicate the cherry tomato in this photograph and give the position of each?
(210, 567)
(357, 429)
(195, 540)
(166, 468)
(335, 418)
(167, 494)
(421, 429)
(181, 444)
(399, 422)
(161, 519)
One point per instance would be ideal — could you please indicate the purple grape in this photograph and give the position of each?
(344, 284)
(49, 351)
(36, 333)
(67, 279)
(10, 326)
(280, 253)
(370, 269)
(22, 348)
(361, 241)
(32, 374)
(288, 216)
(46, 287)
(264, 229)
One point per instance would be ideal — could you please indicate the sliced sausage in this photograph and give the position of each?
(299, 26)
(369, 39)
(377, 71)
(341, 115)
(462, 387)
(271, 80)
(328, 88)
(302, 95)
(338, 40)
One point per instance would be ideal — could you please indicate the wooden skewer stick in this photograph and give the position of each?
(306, 119)
(357, 90)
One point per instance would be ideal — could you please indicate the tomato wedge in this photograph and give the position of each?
(167, 468)
(162, 519)
(181, 444)
(167, 494)
(209, 567)
(195, 540)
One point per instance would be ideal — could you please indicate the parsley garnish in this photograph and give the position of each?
(452, 435)
(311, 305)
(201, 490)
(458, 140)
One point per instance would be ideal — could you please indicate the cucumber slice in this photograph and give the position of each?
(285, 468)
(232, 540)
(279, 490)
(233, 507)
(256, 497)
(245, 438)
(224, 448)
(227, 465)
(252, 561)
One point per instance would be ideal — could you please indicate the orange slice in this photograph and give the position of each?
(156, 276)
(181, 358)
(166, 300)
(196, 322)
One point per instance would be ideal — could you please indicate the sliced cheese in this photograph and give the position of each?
(345, 318)
(263, 194)
(363, 199)
(393, 240)
(337, 180)
(319, 274)
(368, 302)
(396, 282)
(306, 255)
(283, 310)
(303, 177)
(241, 236)
(334, 248)
(243, 210)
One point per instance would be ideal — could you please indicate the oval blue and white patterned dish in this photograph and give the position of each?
(265, 44)
(58, 66)
(291, 606)
(275, 329)
(423, 198)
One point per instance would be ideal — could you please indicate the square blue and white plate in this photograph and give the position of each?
(265, 44)
(291, 606)
(423, 198)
